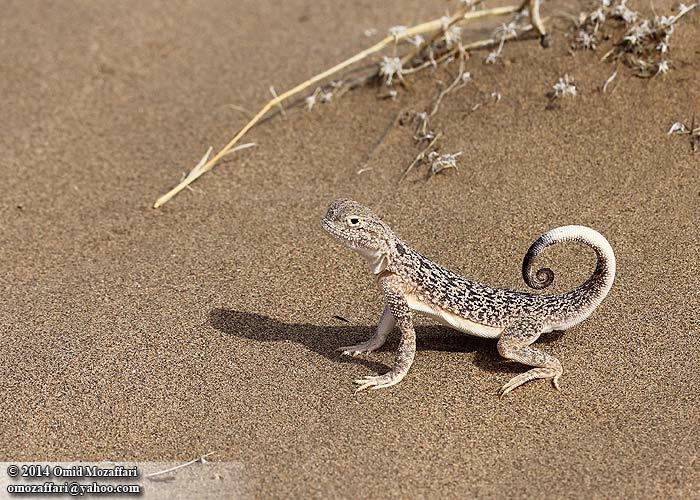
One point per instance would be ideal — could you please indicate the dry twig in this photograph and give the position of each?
(421, 156)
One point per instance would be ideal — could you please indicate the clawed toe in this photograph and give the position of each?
(348, 351)
(555, 382)
(377, 382)
(534, 374)
(512, 384)
(356, 350)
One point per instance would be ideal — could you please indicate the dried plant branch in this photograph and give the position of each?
(646, 42)
(609, 81)
(442, 162)
(421, 156)
(445, 25)
(204, 166)
(488, 42)
(459, 79)
(693, 133)
(386, 42)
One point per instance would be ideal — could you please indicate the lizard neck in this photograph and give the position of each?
(384, 259)
(377, 260)
(400, 254)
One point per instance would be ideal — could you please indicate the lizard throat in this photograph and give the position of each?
(376, 260)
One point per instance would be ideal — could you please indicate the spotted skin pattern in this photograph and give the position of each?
(413, 283)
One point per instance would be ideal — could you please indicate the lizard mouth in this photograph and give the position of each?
(337, 234)
(327, 226)
(330, 228)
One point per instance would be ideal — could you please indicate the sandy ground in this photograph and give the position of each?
(137, 334)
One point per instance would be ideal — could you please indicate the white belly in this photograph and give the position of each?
(452, 320)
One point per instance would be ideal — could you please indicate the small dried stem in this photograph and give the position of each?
(480, 44)
(279, 104)
(609, 81)
(420, 156)
(378, 144)
(181, 466)
(449, 89)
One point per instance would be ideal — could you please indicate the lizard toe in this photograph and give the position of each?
(534, 374)
(378, 381)
(356, 350)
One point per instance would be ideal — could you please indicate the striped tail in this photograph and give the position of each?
(602, 278)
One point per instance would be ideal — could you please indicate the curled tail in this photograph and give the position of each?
(602, 278)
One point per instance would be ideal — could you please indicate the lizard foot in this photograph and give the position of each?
(533, 374)
(356, 350)
(379, 381)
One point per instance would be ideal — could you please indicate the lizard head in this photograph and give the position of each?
(358, 228)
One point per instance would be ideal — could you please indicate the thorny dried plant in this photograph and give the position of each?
(564, 87)
(443, 48)
(440, 162)
(644, 44)
(425, 133)
(420, 157)
(389, 68)
(693, 133)
(505, 32)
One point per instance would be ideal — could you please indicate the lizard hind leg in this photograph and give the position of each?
(514, 344)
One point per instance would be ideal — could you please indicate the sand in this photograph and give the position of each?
(160, 335)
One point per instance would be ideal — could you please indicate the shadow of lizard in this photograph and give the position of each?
(324, 340)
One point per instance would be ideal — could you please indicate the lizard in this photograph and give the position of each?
(412, 283)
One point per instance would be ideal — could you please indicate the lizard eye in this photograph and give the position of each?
(353, 221)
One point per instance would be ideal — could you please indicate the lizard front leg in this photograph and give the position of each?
(386, 325)
(514, 344)
(399, 310)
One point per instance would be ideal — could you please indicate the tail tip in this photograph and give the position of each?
(541, 279)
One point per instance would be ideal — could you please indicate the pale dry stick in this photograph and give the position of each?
(432, 62)
(609, 81)
(414, 30)
(181, 466)
(608, 54)
(238, 148)
(240, 109)
(202, 167)
(420, 156)
(422, 127)
(533, 7)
